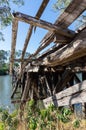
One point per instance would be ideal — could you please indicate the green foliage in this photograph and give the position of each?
(64, 114)
(1, 109)
(5, 13)
(37, 119)
(14, 114)
(66, 111)
(7, 120)
(18, 2)
(51, 108)
(5, 115)
(76, 123)
(61, 5)
(43, 114)
(4, 60)
(2, 126)
(31, 103)
(32, 123)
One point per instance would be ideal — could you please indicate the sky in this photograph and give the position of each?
(30, 8)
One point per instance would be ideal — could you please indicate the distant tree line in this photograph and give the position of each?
(5, 60)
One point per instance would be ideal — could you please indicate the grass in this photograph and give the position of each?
(34, 118)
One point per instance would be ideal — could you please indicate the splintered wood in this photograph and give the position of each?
(45, 73)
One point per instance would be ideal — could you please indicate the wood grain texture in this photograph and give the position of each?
(72, 95)
(70, 52)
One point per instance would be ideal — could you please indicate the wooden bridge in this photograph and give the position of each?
(49, 75)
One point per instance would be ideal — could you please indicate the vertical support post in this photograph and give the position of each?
(78, 106)
(84, 104)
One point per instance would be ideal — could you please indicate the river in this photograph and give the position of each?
(5, 92)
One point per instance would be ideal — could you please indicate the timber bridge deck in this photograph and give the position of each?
(49, 75)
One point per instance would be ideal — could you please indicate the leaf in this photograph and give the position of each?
(76, 123)
(2, 126)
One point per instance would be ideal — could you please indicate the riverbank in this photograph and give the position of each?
(4, 72)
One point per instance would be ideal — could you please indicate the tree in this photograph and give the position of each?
(5, 60)
(5, 13)
(61, 5)
(18, 54)
(2, 57)
(3, 65)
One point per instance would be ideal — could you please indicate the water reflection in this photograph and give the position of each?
(5, 92)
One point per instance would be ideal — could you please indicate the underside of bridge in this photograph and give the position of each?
(46, 73)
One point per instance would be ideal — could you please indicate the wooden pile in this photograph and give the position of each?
(55, 69)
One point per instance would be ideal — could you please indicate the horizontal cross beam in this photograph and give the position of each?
(43, 24)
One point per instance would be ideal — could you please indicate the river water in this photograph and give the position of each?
(5, 92)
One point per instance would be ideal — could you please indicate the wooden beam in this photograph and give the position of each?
(61, 84)
(74, 94)
(26, 89)
(46, 41)
(70, 52)
(55, 38)
(27, 41)
(24, 60)
(61, 39)
(38, 15)
(13, 45)
(43, 24)
(41, 8)
(15, 88)
(19, 101)
(50, 50)
(79, 69)
(72, 12)
(49, 93)
(76, 10)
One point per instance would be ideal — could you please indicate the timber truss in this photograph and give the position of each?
(43, 75)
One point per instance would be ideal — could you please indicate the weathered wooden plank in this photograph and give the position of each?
(70, 52)
(51, 50)
(49, 93)
(43, 24)
(61, 39)
(79, 69)
(15, 87)
(73, 99)
(35, 89)
(41, 8)
(26, 89)
(24, 60)
(55, 38)
(19, 101)
(38, 15)
(46, 41)
(72, 12)
(67, 75)
(13, 45)
(29, 33)
(72, 95)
